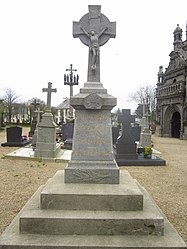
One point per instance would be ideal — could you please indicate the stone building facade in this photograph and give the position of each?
(171, 91)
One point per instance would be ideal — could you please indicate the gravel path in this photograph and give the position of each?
(167, 185)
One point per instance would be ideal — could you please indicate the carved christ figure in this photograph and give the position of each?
(94, 45)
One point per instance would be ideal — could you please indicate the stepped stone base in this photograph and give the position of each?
(119, 197)
(60, 216)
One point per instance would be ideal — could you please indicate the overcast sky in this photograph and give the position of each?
(37, 46)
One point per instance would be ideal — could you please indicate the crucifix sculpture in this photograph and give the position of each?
(94, 29)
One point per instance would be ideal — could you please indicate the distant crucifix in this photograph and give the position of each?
(49, 90)
(94, 30)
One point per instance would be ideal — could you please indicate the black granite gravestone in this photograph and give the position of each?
(126, 146)
(136, 130)
(15, 138)
(67, 135)
(115, 134)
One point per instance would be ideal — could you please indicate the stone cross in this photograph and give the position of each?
(94, 30)
(38, 112)
(49, 90)
(35, 104)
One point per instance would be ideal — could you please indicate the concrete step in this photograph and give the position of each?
(125, 196)
(90, 222)
(13, 239)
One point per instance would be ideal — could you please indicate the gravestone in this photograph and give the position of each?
(143, 120)
(115, 134)
(92, 160)
(46, 145)
(126, 148)
(34, 119)
(145, 136)
(35, 135)
(15, 138)
(67, 135)
(126, 151)
(67, 131)
(136, 131)
(101, 210)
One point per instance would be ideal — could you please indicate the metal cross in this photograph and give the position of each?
(71, 79)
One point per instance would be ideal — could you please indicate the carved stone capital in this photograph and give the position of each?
(93, 101)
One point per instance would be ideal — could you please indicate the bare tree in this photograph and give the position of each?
(9, 98)
(145, 94)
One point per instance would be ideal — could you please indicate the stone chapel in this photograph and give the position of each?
(171, 91)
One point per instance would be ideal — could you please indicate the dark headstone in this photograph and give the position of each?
(67, 135)
(15, 138)
(136, 130)
(115, 134)
(67, 131)
(126, 146)
(126, 149)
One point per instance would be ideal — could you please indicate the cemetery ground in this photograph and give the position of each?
(167, 185)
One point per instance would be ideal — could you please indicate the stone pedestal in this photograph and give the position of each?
(46, 145)
(145, 137)
(34, 138)
(143, 123)
(92, 158)
(33, 127)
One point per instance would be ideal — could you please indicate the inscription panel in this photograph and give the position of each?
(93, 135)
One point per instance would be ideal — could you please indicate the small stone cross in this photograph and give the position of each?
(49, 90)
(38, 112)
(94, 30)
(35, 104)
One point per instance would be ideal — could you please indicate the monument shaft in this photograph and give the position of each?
(92, 158)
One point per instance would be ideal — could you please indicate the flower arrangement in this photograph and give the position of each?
(147, 151)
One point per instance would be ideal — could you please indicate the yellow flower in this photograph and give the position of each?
(148, 150)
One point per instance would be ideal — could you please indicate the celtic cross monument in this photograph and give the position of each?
(94, 30)
(92, 159)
